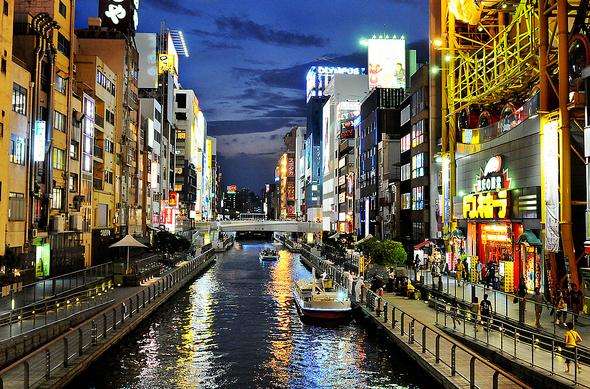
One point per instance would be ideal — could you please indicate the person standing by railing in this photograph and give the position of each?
(571, 339)
(521, 299)
(576, 301)
(485, 308)
(539, 300)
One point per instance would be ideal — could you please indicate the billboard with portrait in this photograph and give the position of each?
(347, 112)
(387, 63)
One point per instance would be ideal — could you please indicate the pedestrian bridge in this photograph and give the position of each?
(260, 225)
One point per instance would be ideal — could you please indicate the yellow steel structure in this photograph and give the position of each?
(503, 50)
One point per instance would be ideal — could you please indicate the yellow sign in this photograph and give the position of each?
(167, 63)
(490, 205)
(361, 264)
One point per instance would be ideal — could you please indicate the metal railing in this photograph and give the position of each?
(445, 351)
(503, 303)
(41, 290)
(41, 365)
(26, 328)
(520, 344)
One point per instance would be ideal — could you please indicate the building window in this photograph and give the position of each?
(405, 143)
(418, 198)
(418, 133)
(61, 84)
(58, 158)
(56, 198)
(418, 231)
(17, 150)
(74, 149)
(63, 44)
(181, 100)
(109, 146)
(63, 11)
(16, 206)
(19, 99)
(103, 81)
(73, 182)
(158, 115)
(5, 7)
(110, 117)
(3, 65)
(406, 201)
(406, 172)
(418, 165)
(108, 177)
(180, 115)
(59, 121)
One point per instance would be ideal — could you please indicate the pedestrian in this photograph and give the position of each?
(345, 275)
(350, 282)
(560, 307)
(539, 300)
(521, 299)
(459, 272)
(485, 308)
(390, 280)
(358, 288)
(576, 301)
(478, 268)
(571, 339)
(475, 311)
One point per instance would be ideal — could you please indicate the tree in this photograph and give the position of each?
(384, 253)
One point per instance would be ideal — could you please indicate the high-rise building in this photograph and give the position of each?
(300, 211)
(313, 158)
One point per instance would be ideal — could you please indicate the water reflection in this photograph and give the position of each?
(237, 327)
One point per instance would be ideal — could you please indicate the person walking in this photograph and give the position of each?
(576, 301)
(455, 312)
(485, 308)
(350, 282)
(571, 339)
(479, 269)
(459, 272)
(539, 300)
(358, 288)
(560, 307)
(521, 299)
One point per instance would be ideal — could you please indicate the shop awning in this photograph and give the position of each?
(421, 245)
(529, 237)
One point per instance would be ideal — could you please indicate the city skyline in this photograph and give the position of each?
(248, 64)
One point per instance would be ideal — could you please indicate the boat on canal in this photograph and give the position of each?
(321, 300)
(268, 254)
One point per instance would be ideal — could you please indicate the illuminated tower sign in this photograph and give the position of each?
(318, 77)
(119, 15)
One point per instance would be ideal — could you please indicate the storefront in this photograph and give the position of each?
(502, 226)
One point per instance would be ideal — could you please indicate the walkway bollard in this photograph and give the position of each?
(402, 324)
(104, 325)
(66, 352)
(93, 332)
(496, 379)
(130, 307)
(423, 339)
(472, 373)
(453, 361)
(385, 306)
(393, 317)
(114, 319)
(26, 375)
(411, 332)
(437, 348)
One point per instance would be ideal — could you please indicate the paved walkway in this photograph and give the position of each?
(503, 304)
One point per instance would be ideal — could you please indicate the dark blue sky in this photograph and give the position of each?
(249, 58)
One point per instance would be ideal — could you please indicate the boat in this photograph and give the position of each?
(224, 243)
(321, 300)
(268, 255)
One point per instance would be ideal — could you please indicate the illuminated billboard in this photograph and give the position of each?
(120, 15)
(232, 188)
(167, 63)
(318, 77)
(39, 141)
(387, 63)
(347, 112)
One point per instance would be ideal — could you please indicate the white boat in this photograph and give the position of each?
(268, 255)
(321, 302)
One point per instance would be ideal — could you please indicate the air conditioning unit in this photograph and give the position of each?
(57, 223)
(76, 222)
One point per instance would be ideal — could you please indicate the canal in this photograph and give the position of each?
(237, 327)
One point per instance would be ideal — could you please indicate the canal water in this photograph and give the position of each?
(237, 327)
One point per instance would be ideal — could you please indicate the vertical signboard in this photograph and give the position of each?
(42, 260)
(550, 152)
(39, 141)
(347, 112)
(120, 15)
(148, 61)
(387, 63)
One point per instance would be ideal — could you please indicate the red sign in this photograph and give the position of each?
(173, 199)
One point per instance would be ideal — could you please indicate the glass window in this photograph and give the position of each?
(418, 133)
(405, 143)
(418, 165)
(19, 99)
(16, 206)
(418, 198)
(74, 149)
(58, 159)
(63, 44)
(59, 121)
(73, 182)
(181, 100)
(17, 150)
(63, 11)
(406, 200)
(61, 84)
(406, 172)
(57, 198)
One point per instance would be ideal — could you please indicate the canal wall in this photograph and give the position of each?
(62, 359)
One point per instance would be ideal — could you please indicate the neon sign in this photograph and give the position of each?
(491, 197)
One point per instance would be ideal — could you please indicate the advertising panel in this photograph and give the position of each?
(234, 188)
(347, 112)
(167, 63)
(550, 152)
(42, 260)
(39, 141)
(387, 63)
(120, 15)
(148, 61)
(173, 199)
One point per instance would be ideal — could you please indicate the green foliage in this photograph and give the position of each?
(384, 253)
